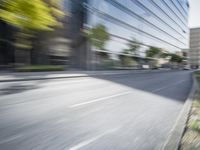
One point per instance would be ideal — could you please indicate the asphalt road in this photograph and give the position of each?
(113, 112)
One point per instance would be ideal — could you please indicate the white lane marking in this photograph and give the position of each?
(12, 138)
(164, 87)
(84, 143)
(99, 99)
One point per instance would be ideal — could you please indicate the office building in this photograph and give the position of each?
(194, 51)
(159, 23)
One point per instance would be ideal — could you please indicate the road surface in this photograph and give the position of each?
(113, 112)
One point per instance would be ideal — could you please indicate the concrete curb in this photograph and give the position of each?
(70, 75)
(175, 136)
(42, 78)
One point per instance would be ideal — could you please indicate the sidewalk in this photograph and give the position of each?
(26, 76)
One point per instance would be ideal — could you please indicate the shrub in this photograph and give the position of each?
(40, 68)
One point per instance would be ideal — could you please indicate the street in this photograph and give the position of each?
(105, 112)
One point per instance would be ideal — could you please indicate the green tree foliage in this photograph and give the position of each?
(99, 36)
(28, 15)
(153, 51)
(133, 46)
(164, 55)
(127, 61)
(56, 10)
(176, 58)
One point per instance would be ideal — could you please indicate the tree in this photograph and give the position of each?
(35, 15)
(30, 17)
(133, 46)
(164, 55)
(127, 61)
(153, 51)
(27, 15)
(176, 58)
(99, 36)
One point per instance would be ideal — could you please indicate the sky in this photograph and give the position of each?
(194, 16)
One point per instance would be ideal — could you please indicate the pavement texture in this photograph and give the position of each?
(133, 111)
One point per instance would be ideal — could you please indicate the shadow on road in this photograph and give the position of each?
(174, 85)
(13, 89)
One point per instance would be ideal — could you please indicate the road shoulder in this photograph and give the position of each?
(175, 136)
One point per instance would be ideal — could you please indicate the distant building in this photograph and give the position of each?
(194, 51)
(185, 53)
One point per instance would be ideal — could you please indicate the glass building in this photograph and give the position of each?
(158, 23)
(143, 23)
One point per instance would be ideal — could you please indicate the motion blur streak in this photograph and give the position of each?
(92, 74)
(55, 35)
(43, 119)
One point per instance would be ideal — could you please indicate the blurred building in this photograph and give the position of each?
(185, 55)
(161, 23)
(7, 48)
(54, 47)
(194, 51)
(46, 48)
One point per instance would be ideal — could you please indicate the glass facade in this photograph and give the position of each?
(145, 23)
(159, 23)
